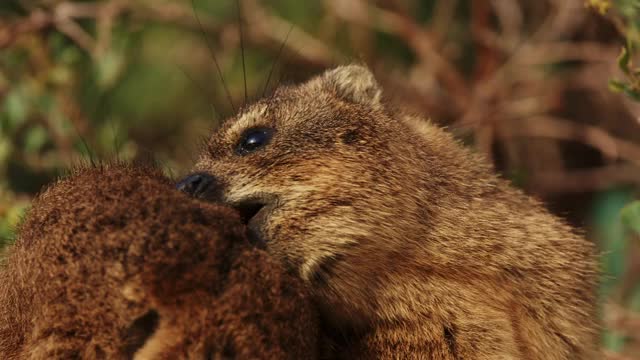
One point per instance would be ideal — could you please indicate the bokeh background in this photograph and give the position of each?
(546, 89)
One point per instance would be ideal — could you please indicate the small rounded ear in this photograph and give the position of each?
(354, 83)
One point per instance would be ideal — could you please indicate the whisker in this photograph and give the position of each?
(275, 61)
(85, 144)
(116, 142)
(213, 55)
(244, 70)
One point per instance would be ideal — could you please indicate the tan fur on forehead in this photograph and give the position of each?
(252, 117)
(353, 83)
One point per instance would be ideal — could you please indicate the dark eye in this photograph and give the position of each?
(253, 139)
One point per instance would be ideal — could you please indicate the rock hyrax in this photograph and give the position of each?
(113, 261)
(412, 246)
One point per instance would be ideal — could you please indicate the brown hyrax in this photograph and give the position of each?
(413, 247)
(114, 263)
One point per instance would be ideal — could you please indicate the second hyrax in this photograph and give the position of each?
(112, 263)
(412, 246)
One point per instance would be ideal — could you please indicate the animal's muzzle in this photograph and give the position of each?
(200, 185)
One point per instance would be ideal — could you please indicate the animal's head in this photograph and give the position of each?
(316, 169)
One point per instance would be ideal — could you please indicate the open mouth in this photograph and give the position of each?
(249, 210)
(253, 213)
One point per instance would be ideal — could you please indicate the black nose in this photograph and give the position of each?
(199, 185)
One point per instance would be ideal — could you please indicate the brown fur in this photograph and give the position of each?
(113, 261)
(414, 248)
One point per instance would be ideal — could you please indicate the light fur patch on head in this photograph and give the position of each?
(248, 119)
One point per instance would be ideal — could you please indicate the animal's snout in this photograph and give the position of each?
(199, 185)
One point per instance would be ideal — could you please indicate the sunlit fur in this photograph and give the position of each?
(411, 244)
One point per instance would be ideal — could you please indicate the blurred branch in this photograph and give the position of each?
(444, 13)
(486, 57)
(610, 355)
(560, 129)
(104, 25)
(623, 320)
(569, 51)
(273, 29)
(416, 38)
(588, 180)
(36, 21)
(565, 17)
(553, 52)
(509, 14)
(63, 17)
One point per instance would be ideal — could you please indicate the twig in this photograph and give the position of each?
(577, 181)
(610, 355)
(35, 22)
(104, 26)
(65, 14)
(443, 15)
(69, 27)
(560, 129)
(510, 17)
(551, 28)
(622, 320)
(418, 40)
(267, 27)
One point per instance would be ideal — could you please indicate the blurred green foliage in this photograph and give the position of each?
(623, 231)
(631, 217)
(627, 19)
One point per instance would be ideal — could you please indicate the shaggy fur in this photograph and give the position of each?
(114, 263)
(413, 247)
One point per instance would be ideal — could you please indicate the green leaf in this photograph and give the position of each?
(6, 148)
(16, 108)
(630, 216)
(611, 236)
(16, 213)
(35, 139)
(616, 85)
(623, 59)
(627, 89)
(613, 341)
(60, 75)
(109, 69)
(633, 93)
